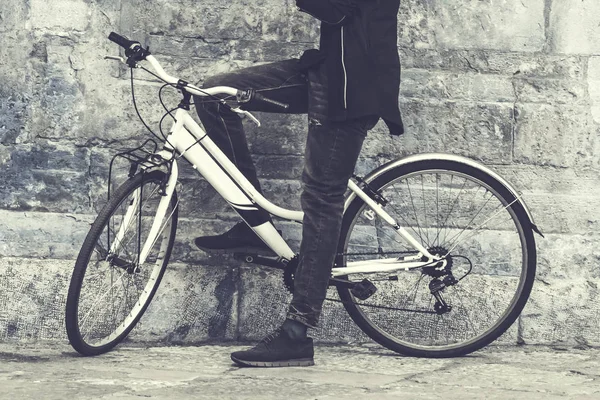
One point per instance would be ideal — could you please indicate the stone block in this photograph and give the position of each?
(485, 61)
(568, 258)
(564, 214)
(197, 49)
(59, 104)
(280, 134)
(424, 84)
(550, 180)
(162, 44)
(35, 292)
(269, 50)
(551, 135)
(46, 155)
(414, 29)
(269, 19)
(63, 15)
(42, 235)
(45, 190)
(562, 312)
(77, 97)
(551, 91)
(561, 200)
(537, 65)
(45, 177)
(17, 75)
(198, 199)
(14, 117)
(111, 120)
(193, 303)
(564, 303)
(284, 193)
(14, 15)
(574, 27)
(482, 131)
(594, 87)
(511, 25)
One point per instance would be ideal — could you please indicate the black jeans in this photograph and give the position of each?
(332, 149)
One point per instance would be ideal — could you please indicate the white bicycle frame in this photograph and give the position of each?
(187, 139)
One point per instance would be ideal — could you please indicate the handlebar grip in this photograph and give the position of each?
(121, 40)
(260, 97)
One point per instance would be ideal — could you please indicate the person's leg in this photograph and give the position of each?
(282, 81)
(332, 150)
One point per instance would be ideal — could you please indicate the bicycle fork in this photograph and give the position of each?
(157, 223)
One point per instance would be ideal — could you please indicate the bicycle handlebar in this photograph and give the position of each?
(259, 97)
(135, 52)
(122, 40)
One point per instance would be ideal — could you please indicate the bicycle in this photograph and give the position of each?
(448, 281)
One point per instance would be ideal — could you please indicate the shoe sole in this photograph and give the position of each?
(298, 362)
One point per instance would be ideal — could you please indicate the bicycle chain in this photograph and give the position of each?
(381, 307)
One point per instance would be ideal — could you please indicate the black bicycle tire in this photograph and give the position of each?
(72, 304)
(530, 264)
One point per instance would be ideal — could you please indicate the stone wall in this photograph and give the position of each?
(512, 83)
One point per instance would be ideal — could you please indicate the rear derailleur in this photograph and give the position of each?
(436, 287)
(442, 278)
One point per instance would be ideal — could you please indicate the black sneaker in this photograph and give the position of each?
(241, 238)
(277, 350)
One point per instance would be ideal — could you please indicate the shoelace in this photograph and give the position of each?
(271, 336)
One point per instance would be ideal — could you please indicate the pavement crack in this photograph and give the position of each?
(446, 367)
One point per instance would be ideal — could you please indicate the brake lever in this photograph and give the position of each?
(117, 58)
(247, 114)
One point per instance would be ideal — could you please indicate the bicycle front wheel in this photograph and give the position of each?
(110, 289)
(480, 230)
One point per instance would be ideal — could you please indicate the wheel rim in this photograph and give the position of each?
(115, 289)
(485, 299)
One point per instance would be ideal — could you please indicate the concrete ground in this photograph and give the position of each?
(54, 371)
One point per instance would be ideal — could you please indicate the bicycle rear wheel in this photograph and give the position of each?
(110, 290)
(473, 221)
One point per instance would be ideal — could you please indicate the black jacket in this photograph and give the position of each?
(359, 48)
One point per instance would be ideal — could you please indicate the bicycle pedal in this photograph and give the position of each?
(364, 289)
